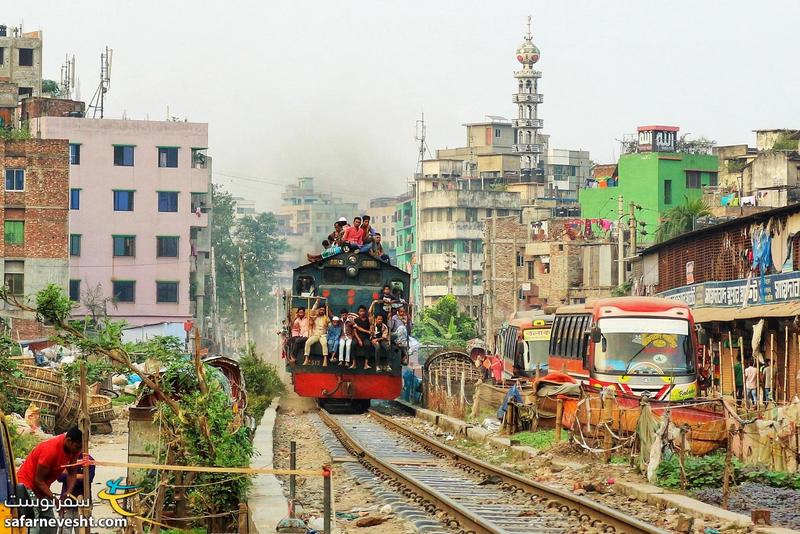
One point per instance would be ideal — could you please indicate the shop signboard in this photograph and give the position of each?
(782, 287)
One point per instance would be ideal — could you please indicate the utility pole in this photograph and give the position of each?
(469, 278)
(215, 303)
(620, 242)
(516, 289)
(632, 228)
(449, 261)
(490, 293)
(244, 302)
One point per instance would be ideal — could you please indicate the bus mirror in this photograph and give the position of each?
(596, 334)
(702, 337)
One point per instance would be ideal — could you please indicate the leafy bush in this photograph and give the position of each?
(96, 371)
(701, 472)
(21, 444)
(262, 383)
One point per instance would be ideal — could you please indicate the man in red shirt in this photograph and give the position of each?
(354, 235)
(45, 464)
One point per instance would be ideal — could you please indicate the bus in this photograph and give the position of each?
(523, 343)
(636, 344)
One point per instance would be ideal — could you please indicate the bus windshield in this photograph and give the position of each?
(644, 346)
(538, 341)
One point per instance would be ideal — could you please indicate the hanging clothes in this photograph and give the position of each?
(761, 256)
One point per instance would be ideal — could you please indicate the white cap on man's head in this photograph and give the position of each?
(342, 219)
(335, 318)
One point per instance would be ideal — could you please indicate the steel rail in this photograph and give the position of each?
(593, 509)
(468, 521)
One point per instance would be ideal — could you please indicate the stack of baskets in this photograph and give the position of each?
(43, 387)
(59, 405)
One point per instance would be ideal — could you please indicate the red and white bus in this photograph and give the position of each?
(637, 344)
(523, 344)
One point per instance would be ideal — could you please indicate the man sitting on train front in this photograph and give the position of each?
(354, 236)
(318, 330)
(299, 334)
(380, 340)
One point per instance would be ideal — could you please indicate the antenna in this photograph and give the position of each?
(67, 77)
(98, 100)
(423, 146)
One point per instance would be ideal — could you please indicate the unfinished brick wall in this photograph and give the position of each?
(507, 230)
(44, 204)
(32, 108)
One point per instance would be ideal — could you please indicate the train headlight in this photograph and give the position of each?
(352, 259)
(352, 271)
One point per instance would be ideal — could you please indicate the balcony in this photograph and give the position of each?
(527, 123)
(438, 262)
(459, 198)
(527, 73)
(458, 291)
(450, 230)
(532, 148)
(525, 98)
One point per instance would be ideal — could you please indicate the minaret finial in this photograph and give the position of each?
(529, 28)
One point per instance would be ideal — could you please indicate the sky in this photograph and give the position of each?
(334, 89)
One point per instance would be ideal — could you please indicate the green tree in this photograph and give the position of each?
(681, 219)
(444, 324)
(260, 245)
(50, 88)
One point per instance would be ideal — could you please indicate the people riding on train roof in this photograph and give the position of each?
(353, 237)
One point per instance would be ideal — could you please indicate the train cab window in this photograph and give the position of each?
(332, 275)
(369, 278)
(304, 286)
(397, 288)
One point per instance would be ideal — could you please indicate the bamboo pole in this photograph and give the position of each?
(772, 365)
(86, 427)
(726, 477)
(786, 366)
(733, 366)
(721, 373)
(741, 362)
(559, 415)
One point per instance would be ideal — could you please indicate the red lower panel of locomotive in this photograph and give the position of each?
(344, 386)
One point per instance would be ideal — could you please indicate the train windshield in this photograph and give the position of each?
(639, 346)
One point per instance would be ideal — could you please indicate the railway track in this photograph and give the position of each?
(465, 494)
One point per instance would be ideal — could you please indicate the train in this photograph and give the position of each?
(345, 280)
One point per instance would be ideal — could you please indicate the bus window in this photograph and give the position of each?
(332, 275)
(580, 328)
(369, 278)
(568, 336)
(558, 328)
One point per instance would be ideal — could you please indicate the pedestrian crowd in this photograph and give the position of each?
(359, 237)
(352, 340)
(752, 382)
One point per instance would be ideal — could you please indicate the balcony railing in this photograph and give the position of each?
(527, 148)
(528, 123)
(525, 98)
(527, 73)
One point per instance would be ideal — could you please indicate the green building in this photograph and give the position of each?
(655, 180)
(405, 227)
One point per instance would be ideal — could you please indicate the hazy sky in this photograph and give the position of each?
(333, 88)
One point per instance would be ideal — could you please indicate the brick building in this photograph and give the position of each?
(547, 263)
(35, 210)
(712, 270)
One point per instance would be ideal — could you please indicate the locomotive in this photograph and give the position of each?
(345, 281)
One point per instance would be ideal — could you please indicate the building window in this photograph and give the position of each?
(667, 191)
(693, 179)
(713, 179)
(472, 214)
(75, 290)
(74, 199)
(2, 55)
(168, 156)
(74, 154)
(124, 245)
(199, 158)
(123, 155)
(502, 213)
(124, 290)
(166, 291)
(15, 180)
(74, 244)
(26, 57)
(167, 246)
(123, 200)
(168, 201)
(449, 214)
(15, 232)
(497, 132)
(14, 277)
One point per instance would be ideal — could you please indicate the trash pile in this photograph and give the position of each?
(40, 384)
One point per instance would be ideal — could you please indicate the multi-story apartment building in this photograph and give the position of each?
(21, 60)
(34, 212)
(139, 207)
(382, 214)
(450, 233)
(305, 218)
(243, 207)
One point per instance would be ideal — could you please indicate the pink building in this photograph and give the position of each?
(139, 199)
